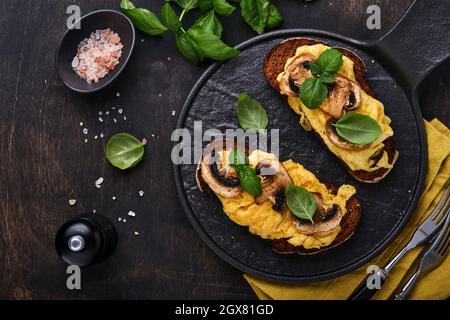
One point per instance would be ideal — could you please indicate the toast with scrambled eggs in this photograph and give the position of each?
(288, 63)
(268, 215)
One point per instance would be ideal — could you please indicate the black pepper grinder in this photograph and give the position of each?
(85, 240)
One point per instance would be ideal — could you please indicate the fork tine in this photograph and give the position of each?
(440, 210)
(442, 246)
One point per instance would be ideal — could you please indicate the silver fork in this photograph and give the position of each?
(433, 257)
(423, 234)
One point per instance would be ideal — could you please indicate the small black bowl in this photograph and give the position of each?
(67, 49)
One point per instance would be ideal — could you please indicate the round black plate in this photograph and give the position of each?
(386, 206)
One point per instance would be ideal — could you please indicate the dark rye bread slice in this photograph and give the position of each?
(348, 226)
(274, 65)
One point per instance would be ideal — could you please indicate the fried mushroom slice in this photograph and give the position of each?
(274, 180)
(344, 95)
(221, 178)
(294, 75)
(325, 220)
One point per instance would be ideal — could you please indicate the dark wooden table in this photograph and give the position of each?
(45, 160)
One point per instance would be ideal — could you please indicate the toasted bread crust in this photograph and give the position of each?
(348, 227)
(274, 64)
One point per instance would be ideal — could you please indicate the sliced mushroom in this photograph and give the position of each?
(331, 133)
(275, 179)
(296, 72)
(223, 181)
(324, 220)
(345, 95)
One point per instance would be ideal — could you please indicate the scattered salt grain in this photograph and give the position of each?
(98, 182)
(100, 119)
(124, 220)
(107, 112)
(85, 130)
(120, 111)
(144, 141)
(72, 202)
(101, 135)
(81, 124)
(119, 219)
(95, 137)
(169, 59)
(114, 108)
(114, 198)
(85, 140)
(118, 94)
(115, 120)
(125, 118)
(159, 95)
(173, 112)
(45, 81)
(100, 113)
(94, 211)
(142, 40)
(141, 193)
(136, 233)
(373, 61)
(153, 135)
(131, 213)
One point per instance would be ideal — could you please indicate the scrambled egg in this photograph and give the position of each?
(316, 118)
(267, 223)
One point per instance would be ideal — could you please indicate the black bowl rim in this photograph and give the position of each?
(124, 63)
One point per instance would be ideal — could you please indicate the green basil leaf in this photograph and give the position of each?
(209, 45)
(209, 22)
(313, 92)
(205, 5)
(187, 47)
(358, 128)
(250, 181)
(238, 160)
(316, 70)
(301, 202)
(251, 114)
(143, 19)
(327, 78)
(330, 60)
(222, 7)
(170, 18)
(274, 18)
(124, 150)
(186, 4)
(255, 13)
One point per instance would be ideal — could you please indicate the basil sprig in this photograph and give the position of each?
(301, 202)
(358, 128)
(313, 91)
(124, 150)
(143, 19)
(260, 15)
(251, 114)
(248, 178)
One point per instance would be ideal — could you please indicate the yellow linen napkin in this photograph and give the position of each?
(433, 285)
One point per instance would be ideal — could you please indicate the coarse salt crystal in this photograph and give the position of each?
(95, 137)
(85, 130)
(118, 94)
(100, 119)
(81, 124)
(120, 111)
(114, 198)
(119, 219)
(124, 220)
(107, 112)
(131, 213)
(85, 140)
(115, 120)
(100, 113)
(101, 135)
(173, 112)
(125, 118)
(98, 182)
(141, 193)
(136, 233)
(144, 141)
(72, 202)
